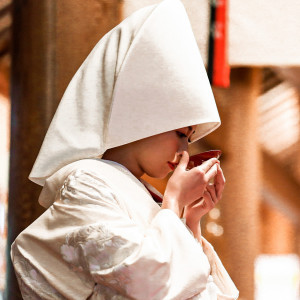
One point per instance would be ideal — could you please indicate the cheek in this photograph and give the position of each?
(170, 148)
(174, 146)
(162, 148)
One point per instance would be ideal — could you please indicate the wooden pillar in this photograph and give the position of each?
(4, 155)
(278, 232)
(239, 244)
(296, 168)
(31, 93)
(297, 229)
(79, 26)
(50, 41)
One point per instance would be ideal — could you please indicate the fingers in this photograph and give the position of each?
(207, 165)
(201, 206)
(184, 160)
(219, 182)
(209, 169)
(220, 179)
(205, 205)
(208, 201)
(196, 203)
(190, 165)
(213, 194)
(211, 173)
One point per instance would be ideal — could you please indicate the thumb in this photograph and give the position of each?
(184, 160)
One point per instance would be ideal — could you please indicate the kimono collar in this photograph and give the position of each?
(155, 194)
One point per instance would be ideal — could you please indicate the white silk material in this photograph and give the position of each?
(104, 237)
(144, 77)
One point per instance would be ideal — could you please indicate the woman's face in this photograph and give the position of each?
(159, 154)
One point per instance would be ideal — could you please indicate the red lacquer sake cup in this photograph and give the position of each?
(198, 159)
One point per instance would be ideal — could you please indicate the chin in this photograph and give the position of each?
(158, 175)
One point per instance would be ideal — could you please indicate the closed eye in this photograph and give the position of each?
(182, 135)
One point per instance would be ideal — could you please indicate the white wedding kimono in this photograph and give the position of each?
(104, 237)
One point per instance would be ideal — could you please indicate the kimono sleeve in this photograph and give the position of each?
(162, 262)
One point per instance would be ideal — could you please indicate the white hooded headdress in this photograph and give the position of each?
(144, 77)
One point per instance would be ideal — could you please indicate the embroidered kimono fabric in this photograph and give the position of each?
(104, 237)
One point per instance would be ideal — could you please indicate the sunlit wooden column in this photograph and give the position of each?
(50, 41)
(297, 229)
(32, 88)
(297, 175)
(278, 230)
(79, 26)
(239, 244)
(297, 159)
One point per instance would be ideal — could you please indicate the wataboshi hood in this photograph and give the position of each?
(144, 77)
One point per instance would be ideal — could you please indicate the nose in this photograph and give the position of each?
(183, 146)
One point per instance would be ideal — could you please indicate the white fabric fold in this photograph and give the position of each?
(99, 232)
(144, 77)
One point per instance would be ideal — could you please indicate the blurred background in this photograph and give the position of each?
(255, 229)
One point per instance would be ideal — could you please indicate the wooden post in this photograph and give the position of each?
(50, 41)
(278, 232)
(32, 89)
(239, 244)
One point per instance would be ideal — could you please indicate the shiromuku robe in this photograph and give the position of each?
(105, 238)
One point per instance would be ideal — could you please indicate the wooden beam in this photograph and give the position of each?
(280, 188)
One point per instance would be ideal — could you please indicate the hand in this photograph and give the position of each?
(211, 196)
(185, 187)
